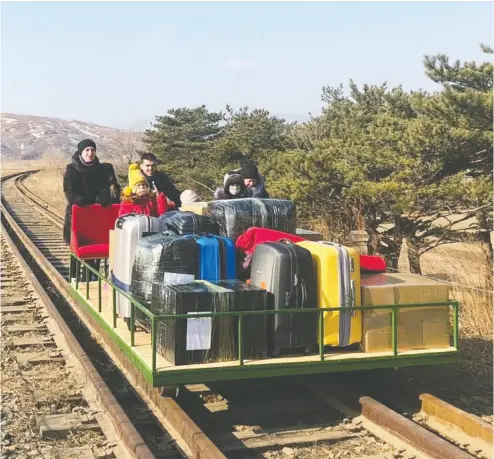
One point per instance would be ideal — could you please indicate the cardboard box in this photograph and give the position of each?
(200, 208)
(309, 235)
(418, 328)
(401, 288)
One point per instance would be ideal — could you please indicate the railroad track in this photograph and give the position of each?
(325, 417)
(139, 424)
(277, 417)
(46, 412)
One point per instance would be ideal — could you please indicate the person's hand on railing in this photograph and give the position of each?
(103, 198)
(79, 201)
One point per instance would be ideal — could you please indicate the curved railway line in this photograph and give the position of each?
(277, 417)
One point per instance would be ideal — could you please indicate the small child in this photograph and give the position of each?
(138, 198)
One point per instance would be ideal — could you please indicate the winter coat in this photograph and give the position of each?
(259, 191)
(152, 205)
(165, 184)
(84, 185)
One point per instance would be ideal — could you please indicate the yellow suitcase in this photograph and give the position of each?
(338, 285)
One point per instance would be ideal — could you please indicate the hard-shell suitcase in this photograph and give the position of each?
(286, 270)
(217, 258)
(188, 223)
(129, 229)
(338, 285)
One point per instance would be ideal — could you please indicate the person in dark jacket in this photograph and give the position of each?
(233, 188)
(254, 181)
(158, 181)
(86, 181)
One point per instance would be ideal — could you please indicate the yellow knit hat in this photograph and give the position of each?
(135, 176)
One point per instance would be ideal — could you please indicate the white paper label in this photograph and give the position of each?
(177, 278)
(198, 333)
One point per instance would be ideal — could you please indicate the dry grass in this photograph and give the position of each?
(48, 184)
(467, 266)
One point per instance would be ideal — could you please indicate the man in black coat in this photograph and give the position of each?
(254, 181)
(158, 180)
(87, 181)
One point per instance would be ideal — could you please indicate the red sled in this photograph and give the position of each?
(255, 236)
(372, 264)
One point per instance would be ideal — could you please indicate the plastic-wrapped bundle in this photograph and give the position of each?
(165, 259)
(235, 216)
(193, 340)
(255, 328)
(188, 223)
(164, 218)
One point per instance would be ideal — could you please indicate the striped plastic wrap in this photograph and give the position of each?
(235, 216)
(208, 339)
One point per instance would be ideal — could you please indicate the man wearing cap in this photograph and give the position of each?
(87, 181)
(254, 181)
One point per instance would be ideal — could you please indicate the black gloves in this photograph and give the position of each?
(79, 201)
(104, 198)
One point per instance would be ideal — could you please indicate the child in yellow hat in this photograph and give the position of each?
(138, 198)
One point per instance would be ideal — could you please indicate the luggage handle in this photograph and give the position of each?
(288, 299)
(304, 293)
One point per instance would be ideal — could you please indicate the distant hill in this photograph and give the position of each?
(38, 137)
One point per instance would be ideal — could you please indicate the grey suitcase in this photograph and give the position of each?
(129, 230)
(287, 271)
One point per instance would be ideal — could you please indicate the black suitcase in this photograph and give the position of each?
(188, 223)
(287, 271)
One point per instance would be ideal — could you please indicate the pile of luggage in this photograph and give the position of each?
(238, 255)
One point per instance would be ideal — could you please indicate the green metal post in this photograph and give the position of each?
(77, 269)
(114, 308)
(87, 282)
(132, 327)
(394, 330)
(153, 344)
(70, 267)
(321, 335)
(456, 328)
(99, 294)
(240, 340)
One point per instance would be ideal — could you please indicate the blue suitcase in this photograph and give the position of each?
(217, 258)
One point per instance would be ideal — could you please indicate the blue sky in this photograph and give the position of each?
(122, 63)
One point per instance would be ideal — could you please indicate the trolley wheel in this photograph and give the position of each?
(169, 391)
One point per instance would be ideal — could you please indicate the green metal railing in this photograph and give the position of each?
(154, 318)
